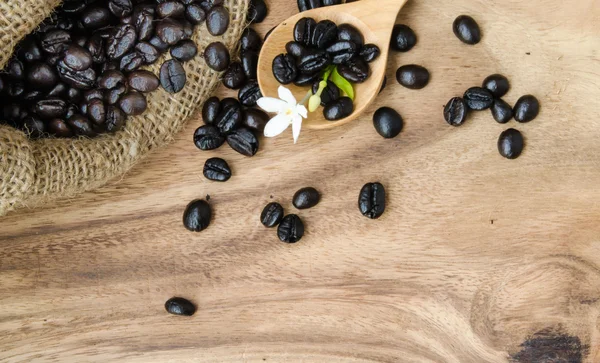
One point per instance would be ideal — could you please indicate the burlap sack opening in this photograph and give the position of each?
(34, 172)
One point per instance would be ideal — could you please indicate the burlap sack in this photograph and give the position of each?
(34, 172)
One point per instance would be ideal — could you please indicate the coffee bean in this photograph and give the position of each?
(188, 30)
(170, 31)
(250, 63)
(133, 103)
(295, 49)
(56, 41)
(184, 50)
(371, 200)
(81, 126)
(77, 58)
(50, 108)
(355, 70)
(34, 127)
(413, 76)
(229, 117)
(170, 9)
(326, 32)
(59, 128)
(93, 94)
(306, 198)
(304, 29)
(16, 89)
(478, 98)
(195, 14)
(249, 93)
(304, 5)
(95, 47)
(216, 56)
(210, 110)
(80, 79)
(143, 81)
(208, 137)
(331, 92)
(31, 96)
(350, 33)
(113, 96)
(313, 61)
(510, 144)
(16, 69)
(217, 20)
(497, 84)
(526, 109)
(157, 43)
(369, 52)
(96, 111)
(42, 76)
(74, 95)
(115, 119)
(403, 38)
(342, 51)
(467, 30)
(501, 111)
(53, 59)
(271, 215)
(217, 169)
(30, 51)
(147, 51)
(197, 216)
(111, 79)
(131, 61)
(250, 40)
(144, 24)
(455, 111)
(339, 109)
(284, 68)
(291, 229)
(234, 77)
(95, 17)
(180, 306)
(121, 42)
(257, 11)
(255, 119)
(388, 123)
(306, 79)
(172, 76)
(243, 141)
(120, 8)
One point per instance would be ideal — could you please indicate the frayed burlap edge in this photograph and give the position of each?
(35, 172)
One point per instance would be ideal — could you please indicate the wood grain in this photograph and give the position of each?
(477, 258)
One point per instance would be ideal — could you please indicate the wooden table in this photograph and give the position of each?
(476, 259)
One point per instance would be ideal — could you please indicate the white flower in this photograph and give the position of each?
(288, 112)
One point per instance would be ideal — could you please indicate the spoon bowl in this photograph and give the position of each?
(373, 18)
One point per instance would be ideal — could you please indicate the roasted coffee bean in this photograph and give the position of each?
(121, 42)
(93, 94)
(497, 84)
(74, 95)
(120, 8)
(197, 216)
(295, 49)
(95, 17)
(143, 81)
(184, 50)
(291, 229)
(128, 20)
(217, 20)
(42, 76)
(172, 76)
(243, 141)
(96, 111)
(355, 70)
(230, 102)
(81, 126)
(313, 61)
(147, 51)
(16, 69)
(195, 14)
(77, 58)
(31, 96)
(304, 5)
(511, 143)
(133, 103)
(157, 43)
(331, 92)
(388, 123)
(216, 56)
(413, 76)
(30, 51)
(59, 128)
(369, 52)
(16, 89)
(304, 30)
(403, 38)
(170, 31)
(52, 60)
(526, 109)
(72, 110)
(255, 119)
(170, 9)
(478, 98)
(257, 11)
(95, 47)
(234, 77)
(456, 111)
(111, 79)
(351, 34)
(80, 79)
(56, 41)
(371, 200)
(115, 119)
(188, 30)
(271, 215)
(34, 127)
(284, 69)
(180, 306)
(501, 111)
(250, 40)
(467, 30)
(131, 61)
(216, 169)
(144, 24)
(229, 117)
(250, 63)
(306, 198)
(326, 32)
(113, 96)
(339, 109)
(249, 94)
(306, 79)
(210, 110)
(208, 137)
(342, 51)
(51, 108)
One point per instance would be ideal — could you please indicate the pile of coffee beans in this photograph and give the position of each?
(79, 73)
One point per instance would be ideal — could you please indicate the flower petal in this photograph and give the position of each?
(302, 111)
(286, 95)
(271, 104)
(296, 126)
(277, 125)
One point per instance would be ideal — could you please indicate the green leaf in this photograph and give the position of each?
(342, 84)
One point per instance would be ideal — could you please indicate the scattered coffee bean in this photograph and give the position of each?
(250, 63)
(217, 20)
(250, 40)
(230, 116)
(291, 229)
(184, 50)
(501, 111)
(217, 169)
(526, 109)
(180, 306)
(370, 52)
(271, 215)
(255, 119)
(413, 76)
(497, 84)
(388, 123)
(216, 56)
(467, 30)
(208, 137)
(197, 215)
(403, 38)
(306, 198)
(339, 109)
(172, 76)
(195, 14)
(210, 110)
(243, 141)
(257, 11)
(456, 111)
(234, 77)
(510, 144)
(249, 94)
(478, 98)
(371, 200)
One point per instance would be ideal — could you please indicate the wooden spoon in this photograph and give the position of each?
(374, 18)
